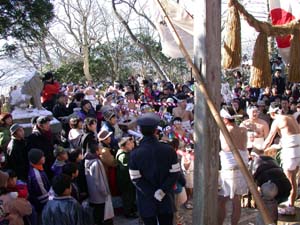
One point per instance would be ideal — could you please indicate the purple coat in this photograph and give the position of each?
(38, 188)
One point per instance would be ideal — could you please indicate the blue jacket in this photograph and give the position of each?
(57, 167)
(153, 165)
(64, 211)
(38, 188)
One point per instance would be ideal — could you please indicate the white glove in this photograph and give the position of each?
(159, 195)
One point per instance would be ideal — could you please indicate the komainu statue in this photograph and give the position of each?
(28, 93)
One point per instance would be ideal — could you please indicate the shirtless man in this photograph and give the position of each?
(257, 129)
(231, 180)
(180, 111)
(288, 128)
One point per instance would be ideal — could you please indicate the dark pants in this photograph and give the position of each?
(128, 199)
(98, 213)
(163, 219)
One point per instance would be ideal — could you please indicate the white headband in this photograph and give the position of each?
(250, 109)
(225, 114)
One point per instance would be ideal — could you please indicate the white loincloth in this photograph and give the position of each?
(254, 142)
(188, 173)
(231, 179)
(258, 143)
(290, 146)
(228, 161)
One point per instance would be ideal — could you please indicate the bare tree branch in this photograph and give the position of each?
(139, 43)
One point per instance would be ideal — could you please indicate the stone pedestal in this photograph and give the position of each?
(24, 116)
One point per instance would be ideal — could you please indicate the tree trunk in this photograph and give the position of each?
(46, 53)
(146, 50)
(86, 52)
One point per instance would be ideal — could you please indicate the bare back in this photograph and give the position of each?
(183, 114)
(239, 138)
(287, 125)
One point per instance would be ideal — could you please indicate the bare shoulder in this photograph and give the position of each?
(263, 122)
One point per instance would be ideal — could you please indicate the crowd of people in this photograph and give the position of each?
(133, 141)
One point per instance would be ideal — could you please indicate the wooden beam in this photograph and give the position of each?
(207, 57)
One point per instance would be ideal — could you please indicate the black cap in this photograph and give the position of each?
(148, 119)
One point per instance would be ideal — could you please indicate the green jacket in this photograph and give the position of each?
(122, 158)
(4, 137)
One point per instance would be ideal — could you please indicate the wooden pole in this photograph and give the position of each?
(206, 133)
(215, 113)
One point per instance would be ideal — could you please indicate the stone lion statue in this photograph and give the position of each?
(29, 92)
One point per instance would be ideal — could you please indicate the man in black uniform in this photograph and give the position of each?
(154, 169)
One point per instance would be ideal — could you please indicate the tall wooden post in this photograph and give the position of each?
(207, 51)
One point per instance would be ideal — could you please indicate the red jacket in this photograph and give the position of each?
(49, 91)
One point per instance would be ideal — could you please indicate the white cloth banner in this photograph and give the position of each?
(184, 24)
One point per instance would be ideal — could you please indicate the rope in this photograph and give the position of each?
(265, 27)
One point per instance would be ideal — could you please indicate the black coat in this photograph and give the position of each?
(17, 159)
(60, 110)
(266, 169)
(153, 165)
(45, 143)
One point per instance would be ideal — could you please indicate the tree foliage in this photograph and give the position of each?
(130, 59)
(25, 19)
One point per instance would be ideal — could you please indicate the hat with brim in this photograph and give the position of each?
(103, 134)
(108, 114)
(123, 141)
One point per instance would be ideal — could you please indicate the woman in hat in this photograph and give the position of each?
(109, 125)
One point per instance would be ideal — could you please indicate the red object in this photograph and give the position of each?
(280, 17)
(49, 91)
(21, 189)
(112, 181)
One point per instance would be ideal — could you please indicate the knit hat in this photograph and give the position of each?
(35, 155)
(3, 178)
(14, 128)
